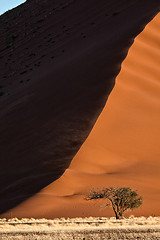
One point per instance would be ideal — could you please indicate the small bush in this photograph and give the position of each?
(119, 198)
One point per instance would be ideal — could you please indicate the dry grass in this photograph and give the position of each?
(80, 228)
(78, 222)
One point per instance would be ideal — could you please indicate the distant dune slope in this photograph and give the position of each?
(58, 62)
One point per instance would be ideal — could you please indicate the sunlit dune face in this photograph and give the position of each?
(128, 130)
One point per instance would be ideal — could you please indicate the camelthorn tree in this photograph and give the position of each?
(119, 198)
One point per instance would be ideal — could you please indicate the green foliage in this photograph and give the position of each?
(119, 198)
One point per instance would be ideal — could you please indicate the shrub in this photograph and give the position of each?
(119, 198)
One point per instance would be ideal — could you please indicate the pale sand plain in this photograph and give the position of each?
(80, 228)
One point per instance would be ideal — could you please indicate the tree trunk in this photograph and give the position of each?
(116, 213)
(119, 214)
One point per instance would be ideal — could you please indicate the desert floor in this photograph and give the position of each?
(80, 228)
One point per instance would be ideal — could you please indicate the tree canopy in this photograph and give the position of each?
(119, 198)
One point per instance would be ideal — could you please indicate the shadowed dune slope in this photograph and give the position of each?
(123, 149)
(58, 62)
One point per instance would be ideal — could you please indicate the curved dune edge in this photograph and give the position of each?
(123, 147)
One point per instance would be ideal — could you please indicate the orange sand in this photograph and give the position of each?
(123, 148)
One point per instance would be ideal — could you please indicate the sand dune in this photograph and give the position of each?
(123, 147)
(58, 63)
